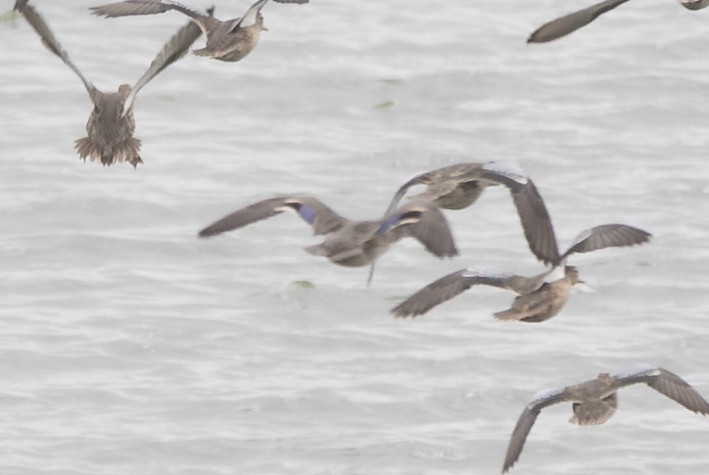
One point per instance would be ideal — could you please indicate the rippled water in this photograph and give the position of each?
(131, 346)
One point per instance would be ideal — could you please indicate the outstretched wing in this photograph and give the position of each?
(446, 288)
(532, 211)
(567, 24)
(607, 235)
(691, 4)
(322, 219)
(667, 383)
(143, 7)
(37, 22)
(425, 222)
(526, 421)
(174, 49)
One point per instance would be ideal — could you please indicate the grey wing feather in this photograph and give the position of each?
(37, 22)
(300, 2)
(567, 24)
(445, 289)
(431, 229)
(420, 179)
(694, 4)
(670, 385)
(128, 8)
(143, 7)
(174, 49)
(536, 223)
(532, 211)
(607, 235)
(526, 421)
(322, 219)
(245, 216)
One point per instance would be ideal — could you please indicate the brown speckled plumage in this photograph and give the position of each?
(111, 124)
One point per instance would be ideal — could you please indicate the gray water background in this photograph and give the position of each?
(129, 346)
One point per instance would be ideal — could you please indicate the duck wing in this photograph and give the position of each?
(321, 218)
(567, 24)
(532, 211)
(526, 421)
(175, 48)
(425, 222)
(143, 7)
(691, 4)
(37, 22)
(667, 383)
(451, 285)
(606, 235)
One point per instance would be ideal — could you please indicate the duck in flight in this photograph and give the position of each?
(595, 401)
(540, 297)
(111, 124)
(229, 40)
(571, 22)
(350, 243)
(458, 186)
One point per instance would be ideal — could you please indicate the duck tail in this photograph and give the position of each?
(507, 315)
(125, 151)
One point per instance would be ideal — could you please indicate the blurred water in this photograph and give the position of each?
(131, 346)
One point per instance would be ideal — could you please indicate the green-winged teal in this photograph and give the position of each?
(229, 40)
(111, 125)
(539, 297)
(350, 243)
(567, 24)
(595, 401)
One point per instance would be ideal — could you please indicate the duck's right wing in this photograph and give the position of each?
(175, 48)
(667, 383)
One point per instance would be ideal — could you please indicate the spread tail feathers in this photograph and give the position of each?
(126, 151)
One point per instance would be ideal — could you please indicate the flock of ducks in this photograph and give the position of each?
(351, 243)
